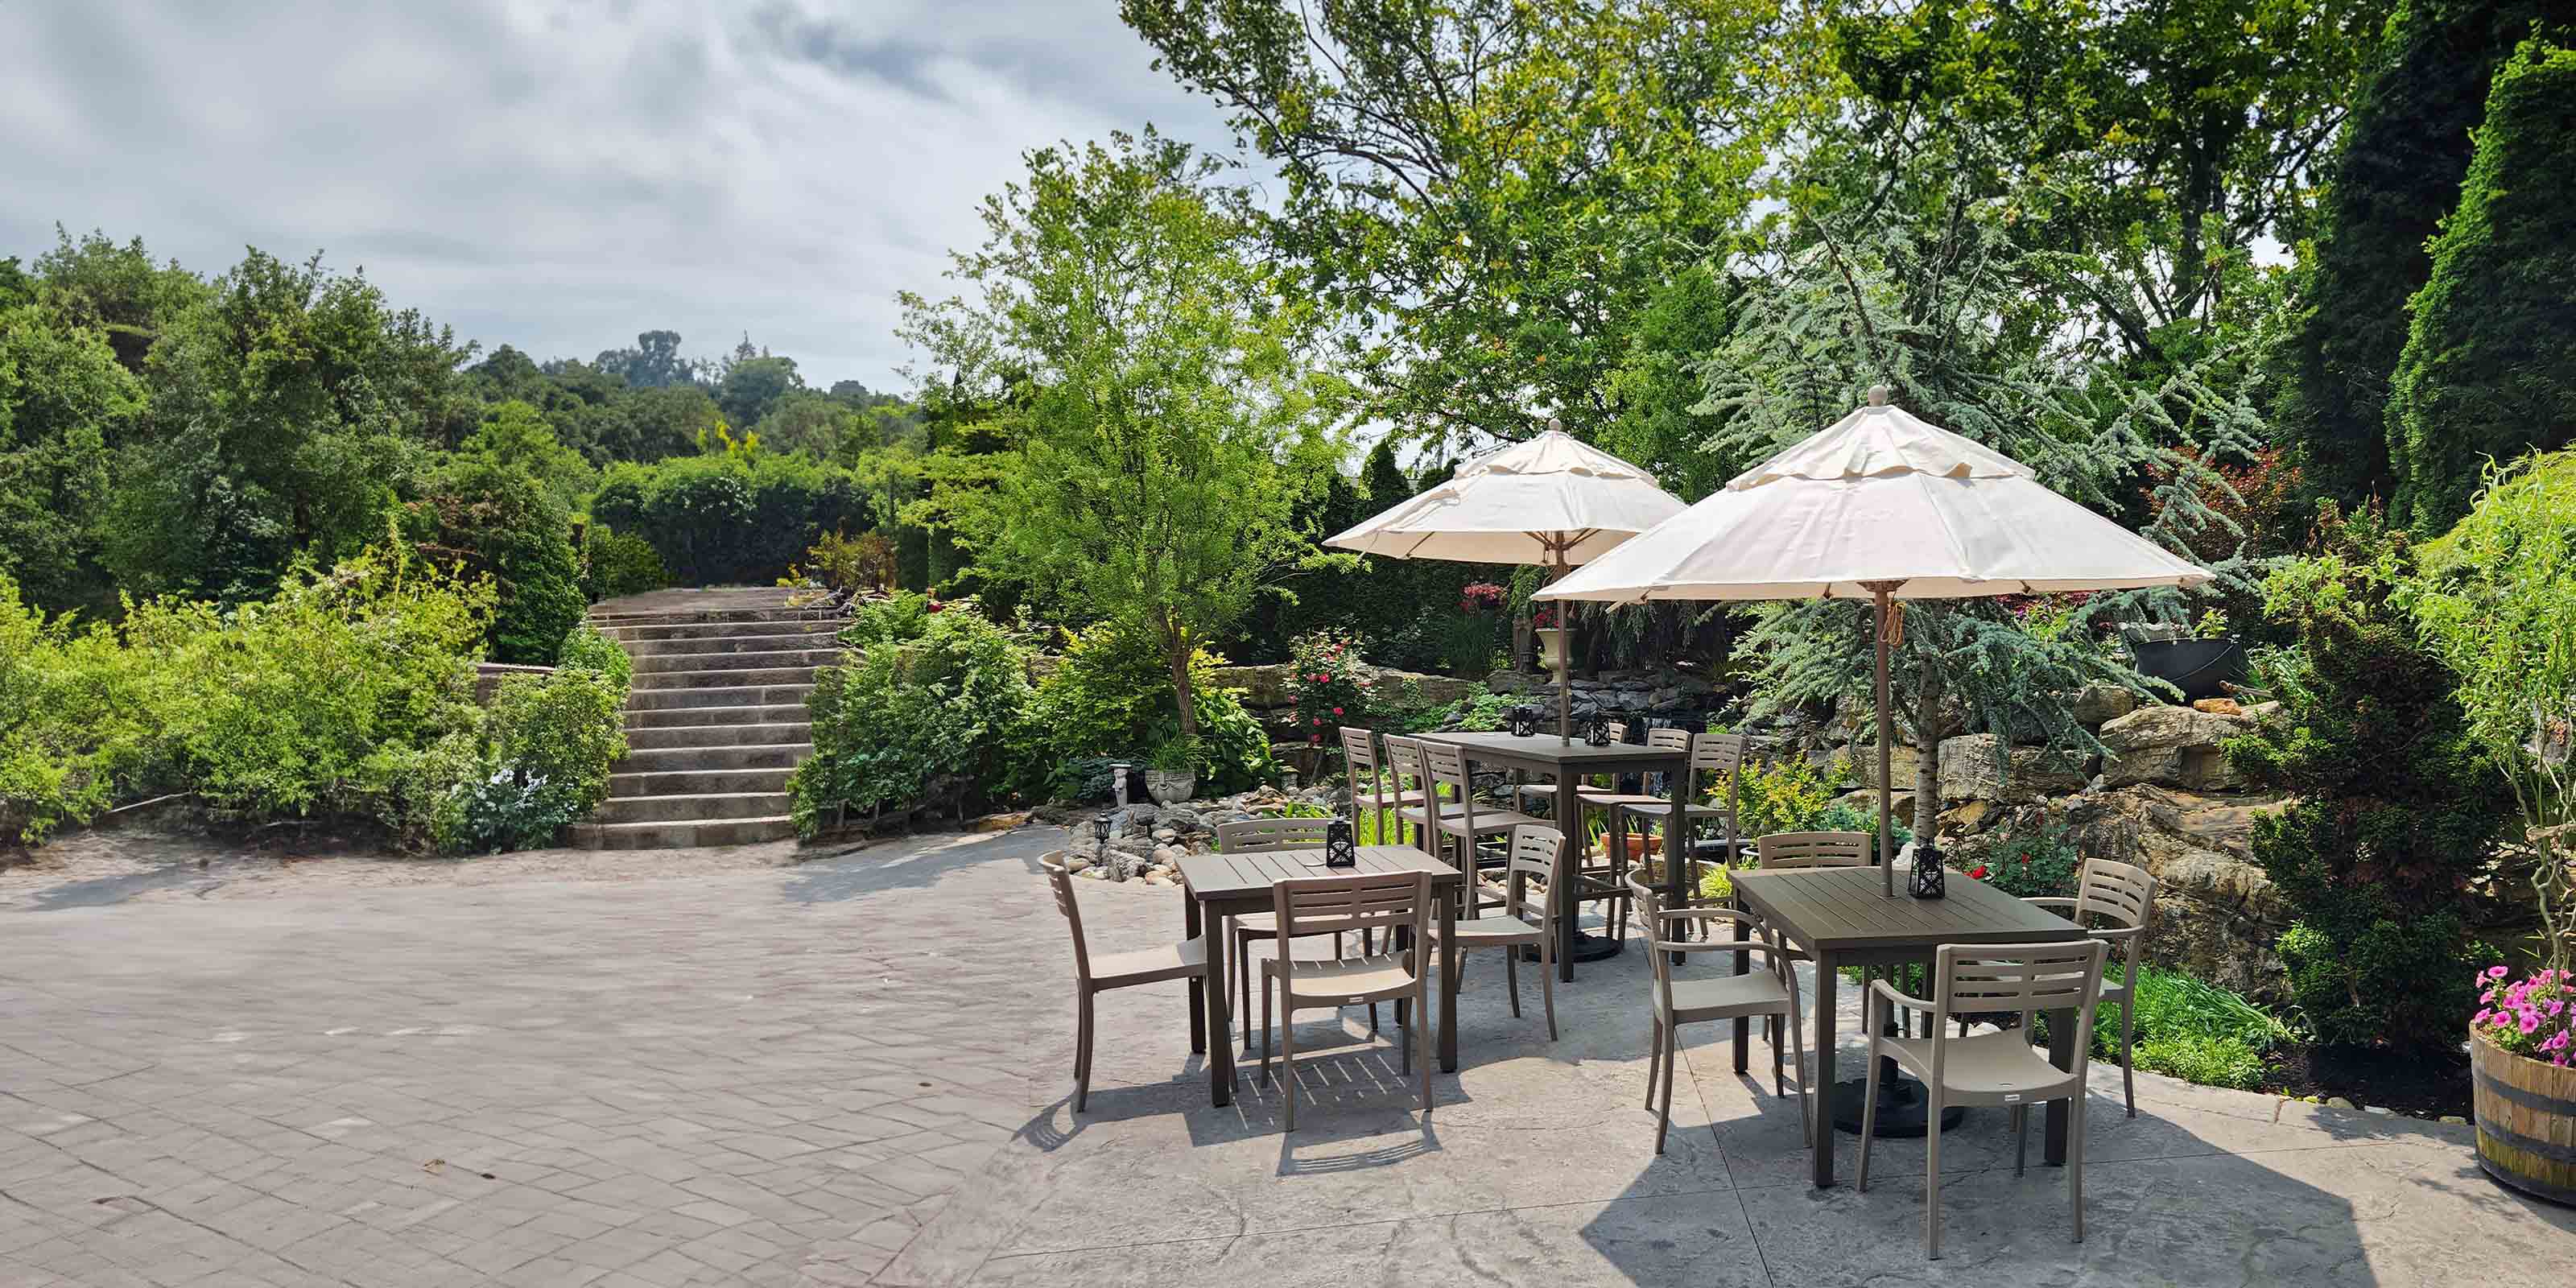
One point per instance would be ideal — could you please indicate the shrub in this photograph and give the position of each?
(864, 564)
(2394, 813)
(2035, 864)
(911, 705)
(500, 522)
(615, 564)
(1788, 795)
(542, 758)
(2194, 1031)
(1325, 687)
(737, 517)
(1111, 697)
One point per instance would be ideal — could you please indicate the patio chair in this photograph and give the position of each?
(1999, 1068)
(1370, 789)
(2125, 894)
(1605, 880)
(1269, 834)
(1185, 960)
(1388, 901)
(1714, 759)
(1771, 992)
(1446, 768)
(1537, 853)
(1411, 782)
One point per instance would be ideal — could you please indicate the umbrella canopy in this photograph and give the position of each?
(1884, 506)
(1552, 501)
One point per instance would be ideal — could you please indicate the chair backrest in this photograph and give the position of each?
(1359, 758)
(1990, 979)
(1444, 765)
(1667, 924)
(1669, 739)
(1537, 853)
(1714, 760)
(2124, 893)
(1271, 834)
(1061, 881)
(1372, 901)
(1814, 850)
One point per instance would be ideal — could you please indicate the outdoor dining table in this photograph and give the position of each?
(1569, 763)
(1222, 886)
(1842, 917)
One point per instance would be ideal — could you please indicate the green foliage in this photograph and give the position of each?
(864, 564)
(2499, 606)
(1234, 750)
(2394, 814)
(1154, 385)
(1786, 795)
(2037, 863)
(63, 401)
(2393, 177)
(921, 698)
(542, 757)
(500, 522)
(733, 518)
(1109, 697)
(2488, 372)
(1326, 688)
(616, 563)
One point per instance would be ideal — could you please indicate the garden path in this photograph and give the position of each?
(853, 1071)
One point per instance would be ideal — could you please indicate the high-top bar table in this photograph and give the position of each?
(1569, 763)
(1222, 886)
(1842, 916)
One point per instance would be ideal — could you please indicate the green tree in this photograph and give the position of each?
(516, 436)
(501, 522)
(754, 385)
(2393, 176)
(64, 401)
(2489, 369)
(1161, 395)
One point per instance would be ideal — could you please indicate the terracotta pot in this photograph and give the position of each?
(1639, 845)
(2526, 1114)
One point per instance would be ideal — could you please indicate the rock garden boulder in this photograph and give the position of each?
(1975, 767)
(2174, 747)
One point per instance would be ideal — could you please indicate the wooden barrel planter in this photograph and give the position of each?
(2526, 1112)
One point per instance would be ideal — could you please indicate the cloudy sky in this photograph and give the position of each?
(560, 174)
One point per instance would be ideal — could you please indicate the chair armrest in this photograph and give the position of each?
(2049, 901)
(2116, 934)
(1881, 988)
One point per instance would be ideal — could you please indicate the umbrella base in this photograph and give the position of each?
(1901, 1105)
(1585, 947)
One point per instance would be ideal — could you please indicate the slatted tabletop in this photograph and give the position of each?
(1249, 875)
(1543, 749)
(1846, 909)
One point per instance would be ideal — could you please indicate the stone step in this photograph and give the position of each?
(805, 659)
(685, 632)
(717, 696)
(674, 836)
(656, 760)
(719, 737)
(689, 807)
(713, 617)
(725, 644)
(639, 719)
(747, 677)
(703, 780)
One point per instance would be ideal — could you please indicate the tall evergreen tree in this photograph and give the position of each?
(2487, 370)
(2397, 173)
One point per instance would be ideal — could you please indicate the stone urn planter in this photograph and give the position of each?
(1170, 788)
(2526, 1115)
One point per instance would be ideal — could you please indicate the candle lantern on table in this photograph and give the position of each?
(1341, 845)
(1930, 880)
(1597, 733)
(1524, 722)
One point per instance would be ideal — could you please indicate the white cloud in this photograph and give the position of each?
(561, 175)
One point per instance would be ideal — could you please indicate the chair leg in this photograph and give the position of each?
(1512, 977)
(1779, 1087)
(1265, 1026)
(1672, 1074)
(2128, 1057)
(1932, 1173)
(1798, 1048)
(1287, 1056)
(1368, 948)
(1868, 1102)
(2021, 1136)
(2075, 1159)
(1243, 983)
(1547, 981)
(1082, 1054)
(1421, 1036)
(1654, 1055)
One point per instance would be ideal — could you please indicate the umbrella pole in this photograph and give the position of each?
(1886, 752)
(1564, 685)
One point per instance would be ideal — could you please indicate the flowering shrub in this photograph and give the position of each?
(1482, 597)
(2530, 1017)
(2031, 865)
(1325, 687)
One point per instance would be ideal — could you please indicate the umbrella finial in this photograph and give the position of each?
(1555, 426)
(1878, 395)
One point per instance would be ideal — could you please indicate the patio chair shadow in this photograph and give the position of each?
(909, 863)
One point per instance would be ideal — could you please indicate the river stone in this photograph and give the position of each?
(1971, 770)
(2172, 747)
(2098, 703)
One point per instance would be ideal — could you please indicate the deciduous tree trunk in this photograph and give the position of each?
(1176, 650)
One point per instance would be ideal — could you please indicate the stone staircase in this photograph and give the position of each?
(716, 718)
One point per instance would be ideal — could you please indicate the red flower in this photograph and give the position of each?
(1315, 738)
(1319, 720)
(1337, 711)
(1979, 872)
(937, 607)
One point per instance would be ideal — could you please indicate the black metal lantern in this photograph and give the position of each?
(1930, 879)
(1597, 733)
(1524, 721)
(1635, 728)
(1341, 845)
(1100, 831)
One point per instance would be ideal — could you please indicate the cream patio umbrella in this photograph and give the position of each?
(1551, 501)
(1879, 506)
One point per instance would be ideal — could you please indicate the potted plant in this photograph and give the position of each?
(1172, 772)
(1549, 640)
(2522, 1063)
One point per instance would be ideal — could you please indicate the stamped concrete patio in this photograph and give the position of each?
(853, 1071)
